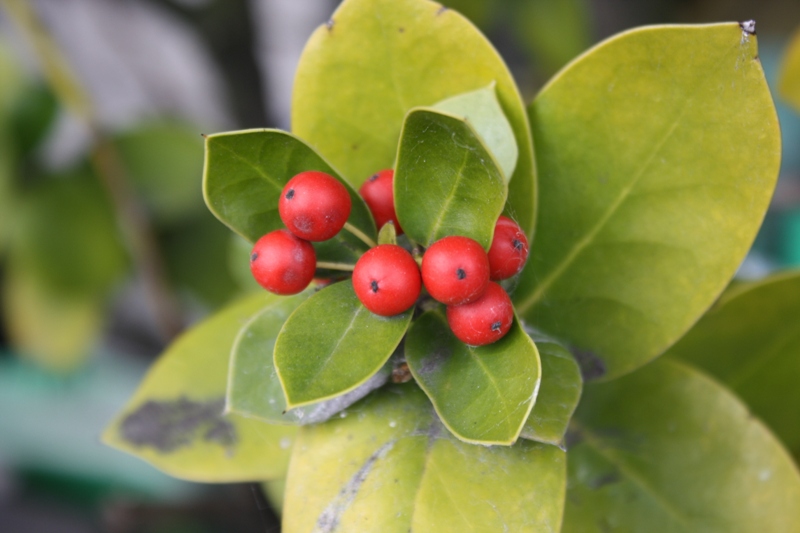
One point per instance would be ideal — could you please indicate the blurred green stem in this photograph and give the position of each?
(108, 166)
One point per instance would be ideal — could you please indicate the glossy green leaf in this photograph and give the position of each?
(246, 171)
(375, 60)
(390, 467)
(175, 419)
(658, 153)
(164, 161)
(254, 389)
(483, 112)
(483, 394)
(332, 344)
(750, 341)
(558, 396)
(57, 330)
(667, 450)
(789, 80)
(446, 181)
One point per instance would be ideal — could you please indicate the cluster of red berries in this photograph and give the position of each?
(314, 206)
(455, 271)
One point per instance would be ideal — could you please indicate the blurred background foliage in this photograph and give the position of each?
(84, 310)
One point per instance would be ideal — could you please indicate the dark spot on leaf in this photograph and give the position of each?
(592, 365)
(461, 274)
(436, 358)
(748, 26)
(290, 194)
(253, 256)
(401, 30)
(354, 147)
(601, 481)
(172, 424)
(373, 285)
(517, 244)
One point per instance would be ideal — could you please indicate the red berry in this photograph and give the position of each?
(378, 193)
(314, 206)
(483, 321)
(509, 249)
(455, 270)
(386, 280)
(282, 263)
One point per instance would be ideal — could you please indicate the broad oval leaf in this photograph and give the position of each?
(558, 396)
(175, 419)
(245, 172)
(332, 344)
(483, 394)
(404, 54)
(390, 467)
(789, 81)
(750, 341)
(658, 152)
(667, 450)
(254, 389)
(446, 181)
(482, 110)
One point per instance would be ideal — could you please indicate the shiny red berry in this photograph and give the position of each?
(282, 263)
(484, 321)
(378, 193)
(386, 280)
(509, 250)
(455, 270)
(314, 206)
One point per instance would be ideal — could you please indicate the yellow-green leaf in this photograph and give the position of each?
(658, 152)
(377, 59)
(668, 450)
(390, 467)
(175, 419)
(789, 81)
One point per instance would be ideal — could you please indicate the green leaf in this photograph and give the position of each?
(387, 234)
(245, 173)
(239, 251)
(175, 419)
(390, 467)
(667, 450)
(750, 341)
(483, 394)
(332, 344)
(446, 181)
(482, 111)
(658, 152)
(7, 204)
(789, 79)
(254, 389)
(164, 161)
(32, 116)
(55, 329)
(558, 396)
(403, 54)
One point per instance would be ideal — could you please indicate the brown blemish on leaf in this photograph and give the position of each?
(172, 424)
(401, 29)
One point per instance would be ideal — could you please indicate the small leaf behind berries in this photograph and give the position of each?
(254, 389)
(332, 344)
(558, 395)
(387, 234)
(668, 450)
(245, 172)
(389, 466)
(482, 394)
(175, 420)
(482, 110)
(446, 181)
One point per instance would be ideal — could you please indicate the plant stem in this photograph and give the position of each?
(336, 266)
(360, 234)
(107, 163)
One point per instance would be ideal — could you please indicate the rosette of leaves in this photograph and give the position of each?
(656, 153)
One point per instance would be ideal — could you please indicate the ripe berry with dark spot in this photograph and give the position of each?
(455, 270)
(509, 249)
(282, 263)
(484, 321)
(314, 205)
(378, 194)
(386, 280)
